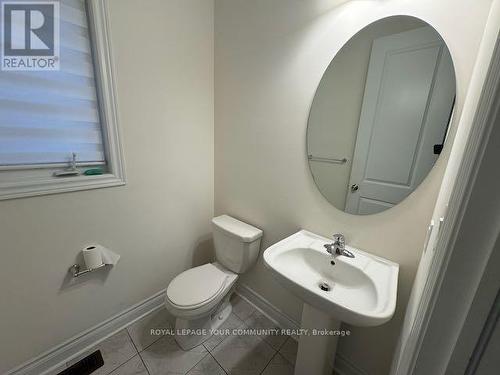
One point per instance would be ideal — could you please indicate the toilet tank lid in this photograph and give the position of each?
(234, 227)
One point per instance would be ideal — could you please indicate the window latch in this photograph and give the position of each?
(70, 171)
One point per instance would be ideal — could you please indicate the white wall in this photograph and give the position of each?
(158, 222)
(334, 118)
(463, 268)
(269, 59)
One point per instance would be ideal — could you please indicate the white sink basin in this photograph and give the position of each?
(362, 289)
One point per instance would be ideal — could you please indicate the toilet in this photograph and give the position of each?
(199, 297)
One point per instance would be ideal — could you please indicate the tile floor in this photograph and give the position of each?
(134, 351)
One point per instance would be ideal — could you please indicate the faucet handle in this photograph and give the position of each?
(329, 248)
(339, 238)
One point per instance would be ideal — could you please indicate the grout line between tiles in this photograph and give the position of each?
(124, 363)
(242, 325)
(284, 357)
(154, 342)
(252, 307)
(144, 364)
(238, 318)
(260, 338)
(267, 364)
(142, 351)
(211, 350)
(249, 316)
(283, 343)
(138, 353)
(192, 367)
(220, 365)
(132, 341)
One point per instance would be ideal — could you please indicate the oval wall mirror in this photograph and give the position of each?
(380, 115)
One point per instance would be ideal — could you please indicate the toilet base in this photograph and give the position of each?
(191, 333)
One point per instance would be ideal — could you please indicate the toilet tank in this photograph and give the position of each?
(237, 244)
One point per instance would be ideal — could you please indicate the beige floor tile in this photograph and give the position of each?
(231, 323)
(140, 331)
(166, 357)
(241, 308)
(270, 330)
(116, 350)
(278, 366)
(289, 350)
(207, 366)
(247, 355)
(133, 367)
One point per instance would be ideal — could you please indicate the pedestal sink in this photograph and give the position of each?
(360, 291)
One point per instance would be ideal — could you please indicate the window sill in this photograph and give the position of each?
(55, 185)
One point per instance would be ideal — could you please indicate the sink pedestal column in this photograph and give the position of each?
(316, 353)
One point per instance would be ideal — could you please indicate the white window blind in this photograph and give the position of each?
(45, 116)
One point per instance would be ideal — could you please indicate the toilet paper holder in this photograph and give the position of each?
(76, 270)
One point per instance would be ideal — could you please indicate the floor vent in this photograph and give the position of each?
(85, 366)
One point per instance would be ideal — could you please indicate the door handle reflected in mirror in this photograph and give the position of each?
(354, 188)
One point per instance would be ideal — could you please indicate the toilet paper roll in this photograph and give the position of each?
(96, 255)
(92, 257)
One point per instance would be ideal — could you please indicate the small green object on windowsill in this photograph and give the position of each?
(93, 172)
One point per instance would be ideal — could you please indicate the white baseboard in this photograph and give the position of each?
(342, 365)
(60, 354)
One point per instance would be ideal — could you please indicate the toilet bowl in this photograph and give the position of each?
(199, 297)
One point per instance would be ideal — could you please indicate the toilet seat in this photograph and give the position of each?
(196, 291)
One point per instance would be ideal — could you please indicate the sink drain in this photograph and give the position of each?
(324, 286)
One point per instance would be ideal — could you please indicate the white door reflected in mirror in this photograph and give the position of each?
(384, 104)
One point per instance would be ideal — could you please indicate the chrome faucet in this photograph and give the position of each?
(338, 246)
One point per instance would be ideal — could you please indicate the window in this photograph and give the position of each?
(59, 126)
